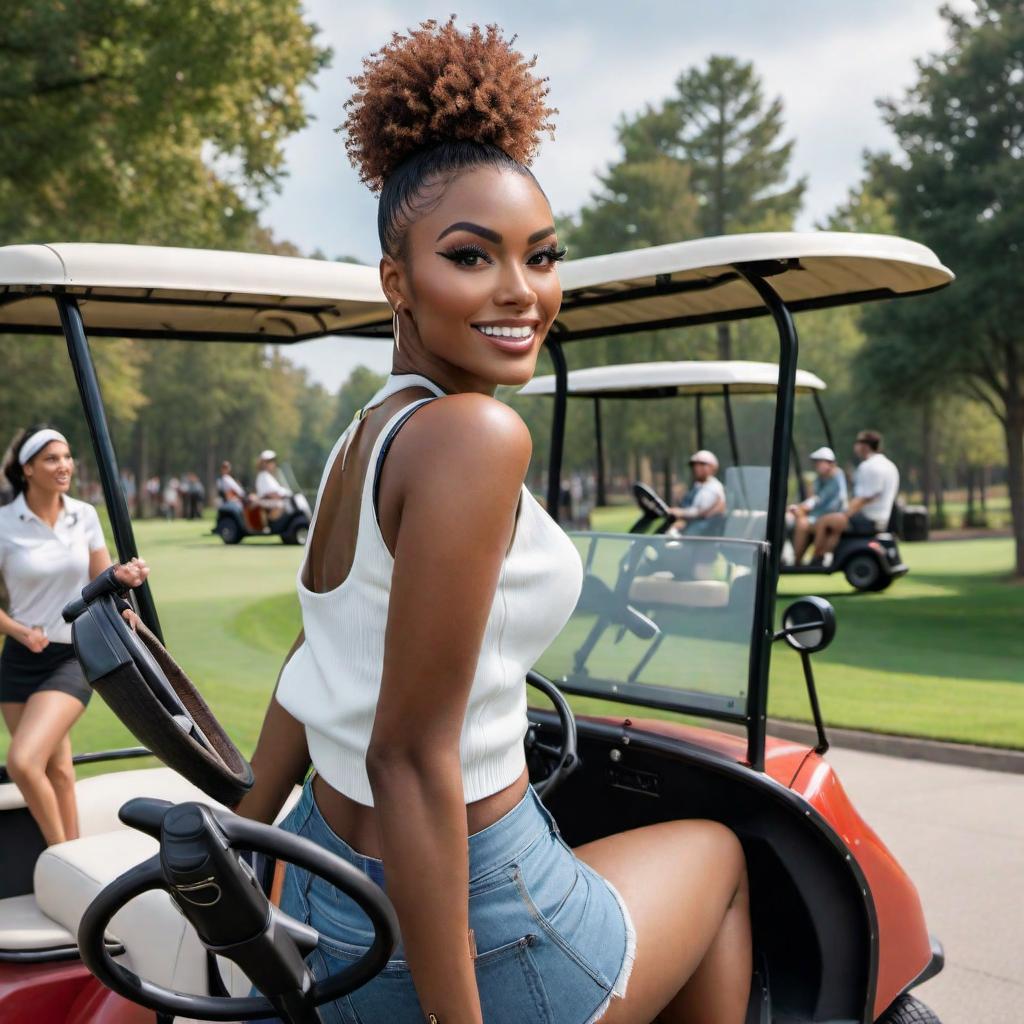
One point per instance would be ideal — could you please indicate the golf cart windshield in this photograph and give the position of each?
(695, 586)
(662, 621)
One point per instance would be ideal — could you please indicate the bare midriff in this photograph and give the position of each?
(356, 823)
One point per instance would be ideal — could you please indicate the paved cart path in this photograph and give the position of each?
(959, 832)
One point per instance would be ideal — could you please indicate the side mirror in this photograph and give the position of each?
(808, 625)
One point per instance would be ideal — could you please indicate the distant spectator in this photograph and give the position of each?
(876, 483)
(172, 498)
(194, 494)
(152, 488)
(703, 505)
(829, 496)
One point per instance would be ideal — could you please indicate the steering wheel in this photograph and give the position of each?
(217, 893)
(563, 759)
(653, 507)
(148, 691)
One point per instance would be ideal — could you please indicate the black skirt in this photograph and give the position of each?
(23, 673)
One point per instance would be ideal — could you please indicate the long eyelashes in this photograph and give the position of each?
(551, 253)
(470, 255)
(464, 253)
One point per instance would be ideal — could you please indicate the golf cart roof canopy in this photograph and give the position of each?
(665, 380)
(151, 291)
(698, 282)
(146, 291)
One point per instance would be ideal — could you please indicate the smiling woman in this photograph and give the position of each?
(433, 581)
(51, 545)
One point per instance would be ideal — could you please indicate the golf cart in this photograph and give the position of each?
(869, 563)
(237, 520)
(839, 931)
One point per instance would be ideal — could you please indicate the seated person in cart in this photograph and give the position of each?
(876, 483)
(229, 489)
(703, 506)
(829, 496)
(271, 495)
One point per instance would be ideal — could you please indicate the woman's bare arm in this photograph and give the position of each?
(454, 478)
(281, 758)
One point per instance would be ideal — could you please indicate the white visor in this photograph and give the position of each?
(823, 453)
(267, 454)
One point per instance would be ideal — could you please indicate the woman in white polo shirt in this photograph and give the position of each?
(51, 545)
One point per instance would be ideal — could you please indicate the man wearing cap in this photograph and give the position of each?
(704, 502)
(876, 484)
(829, 497)
(270, 492)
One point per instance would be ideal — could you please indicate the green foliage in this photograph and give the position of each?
(955, 186)
(147, 122)
(360, 387)
(719, 125)
(157, 123)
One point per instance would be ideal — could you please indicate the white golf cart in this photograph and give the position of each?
(870, 563)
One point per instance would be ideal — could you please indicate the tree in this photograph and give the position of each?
(152, 122)
(955, 186)
(718, 124)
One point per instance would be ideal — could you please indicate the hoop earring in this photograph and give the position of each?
(395, 326)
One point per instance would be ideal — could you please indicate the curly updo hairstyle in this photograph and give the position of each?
(435, 102)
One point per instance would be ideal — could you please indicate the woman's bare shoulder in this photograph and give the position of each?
(467, 433)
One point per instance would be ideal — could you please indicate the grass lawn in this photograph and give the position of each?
(940, 654)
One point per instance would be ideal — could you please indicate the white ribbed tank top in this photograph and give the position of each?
(332, 682)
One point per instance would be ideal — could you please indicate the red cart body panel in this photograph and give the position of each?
(904, 946)
(62, 993)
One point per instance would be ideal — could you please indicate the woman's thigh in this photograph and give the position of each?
(44, 724)
(12, 712)
(677, 880)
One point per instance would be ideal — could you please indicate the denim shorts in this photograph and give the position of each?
(554, 940)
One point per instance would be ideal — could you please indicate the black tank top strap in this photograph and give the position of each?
(386, 447)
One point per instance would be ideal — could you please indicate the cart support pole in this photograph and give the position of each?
(601, 496)
(819, 405)
(557, 428)
(761, 647)
(103, 448)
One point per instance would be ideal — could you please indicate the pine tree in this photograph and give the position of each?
(719, 125)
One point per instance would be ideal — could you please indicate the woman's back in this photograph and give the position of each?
(332, 682)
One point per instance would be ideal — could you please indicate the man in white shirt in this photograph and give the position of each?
(270, 492)
(704, 503)
(229, 489)
(876, 484)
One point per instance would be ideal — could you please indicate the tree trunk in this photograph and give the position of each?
(667, 477)
(970, 518)
(927, 455)
(1014, 429)
(982, 490)
(724, 342)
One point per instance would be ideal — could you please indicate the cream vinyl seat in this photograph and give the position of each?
(158, 944)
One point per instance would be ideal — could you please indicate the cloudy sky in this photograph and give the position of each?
(828, 59)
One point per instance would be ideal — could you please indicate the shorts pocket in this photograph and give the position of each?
(510, 986)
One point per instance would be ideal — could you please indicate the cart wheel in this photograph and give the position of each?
(229, 531)
(295, 534)
(863, 572)
(908, 1010)
(884, 582)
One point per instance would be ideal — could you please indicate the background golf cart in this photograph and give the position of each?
(237, 520)
(869, 563)
(838, 927)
